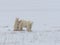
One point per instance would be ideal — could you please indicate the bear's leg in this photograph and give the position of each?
(16, 27)
(20, 27)
(29, 29)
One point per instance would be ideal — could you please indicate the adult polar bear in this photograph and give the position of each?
(19, 24)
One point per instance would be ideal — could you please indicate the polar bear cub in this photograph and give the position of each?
(20, 24)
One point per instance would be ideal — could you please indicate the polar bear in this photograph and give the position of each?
(20, 24)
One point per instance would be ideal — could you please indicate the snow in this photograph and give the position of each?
(29, 38)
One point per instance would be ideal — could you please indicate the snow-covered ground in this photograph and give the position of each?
(30, 38)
